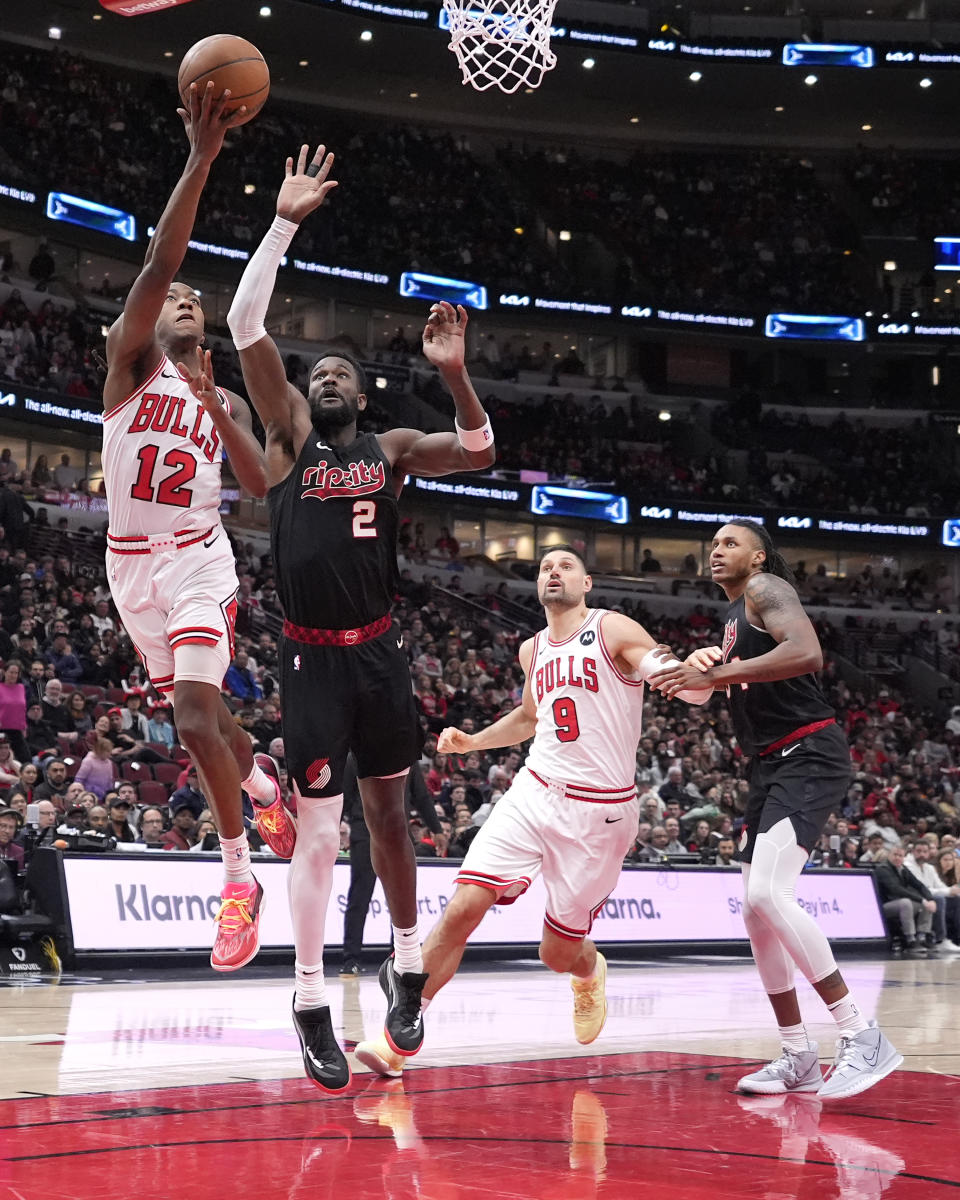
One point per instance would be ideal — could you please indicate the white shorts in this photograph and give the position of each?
(179, 608)
(578, 845)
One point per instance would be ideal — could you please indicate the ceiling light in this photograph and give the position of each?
(55, 33)
(249, 189)
(664, 415)
(889, 264)
(779, 108)
(634, 120)
(366, 36)
(588, 64)
(518, 230)
(168, 54)
(265, 10)
(303, 63)
(98, 16)
(414, 95)
(926, 82)
(565, 235)
(866, 128)
(695, 76)
(810, 80)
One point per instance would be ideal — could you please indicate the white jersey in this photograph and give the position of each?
(161, 459)
(589, 715)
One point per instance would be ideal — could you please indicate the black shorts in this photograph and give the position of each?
(805, 781)
(341, 698)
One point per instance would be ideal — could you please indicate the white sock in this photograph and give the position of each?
(850, 1020)
(794, 1037)
(260, 786)
(425, 1003)
(407, 952)
(235, 853)
(311, 987)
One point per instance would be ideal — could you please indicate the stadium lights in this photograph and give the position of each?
(266, 10)
(810, 80)
(926, 83)
(889, 264)
(55, 33)
(664, 415)
(695, 76)
(866, 128)
(249, 189)
(565, 235)
(366, 36)
(588, 64)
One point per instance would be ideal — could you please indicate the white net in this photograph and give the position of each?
(501, 43)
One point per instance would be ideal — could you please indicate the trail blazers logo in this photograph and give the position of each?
(729, 638)
(356, 479)
(318, 774)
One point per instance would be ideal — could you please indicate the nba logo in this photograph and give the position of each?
(296, 662)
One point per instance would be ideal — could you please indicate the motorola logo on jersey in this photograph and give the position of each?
(587, 638)
(318, 774)
(356, 479)
(562, 672)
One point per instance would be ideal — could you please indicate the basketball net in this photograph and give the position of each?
(501, 43)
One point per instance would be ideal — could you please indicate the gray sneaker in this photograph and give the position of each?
(862, 1061)
(793, 1071)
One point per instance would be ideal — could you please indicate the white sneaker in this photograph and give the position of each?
(862, 1061)
(949, 947)
(793, 1071)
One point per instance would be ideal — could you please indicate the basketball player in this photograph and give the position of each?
(572, 809)
(799, 774)
(169, 562)
(343, 673)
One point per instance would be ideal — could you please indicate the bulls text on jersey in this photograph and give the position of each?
(163, 413)
(562, 672)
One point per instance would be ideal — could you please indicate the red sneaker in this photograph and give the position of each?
(275, 822)
(238, 926)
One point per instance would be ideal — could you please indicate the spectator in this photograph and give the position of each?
(133, 720)
(54, 710)
(65, 476)
(446, 544)
(239, 680)
(905, 900)
(41, 737)
(54, 782)
(189, 795)
(919, 864)
(120, 827)
(97, 771)
(9, 850)
(98, 819)
(24, 787)
(725, 853)
(648, 564)
(181, 833)
(41, 476)
(80, 720)
(151, 827)
(159, 728)
(9, 470)
(13, 709)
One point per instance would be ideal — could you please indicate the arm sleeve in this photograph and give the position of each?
(252, 297)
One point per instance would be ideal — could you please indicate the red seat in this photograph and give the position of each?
(167, 772)
(73, 765)
(116, 695)
(93, 691)
(152, 793)
(66, 743)
(136, 771)
(160, 748)
(178, 754)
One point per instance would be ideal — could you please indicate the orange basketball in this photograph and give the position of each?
(231, 62)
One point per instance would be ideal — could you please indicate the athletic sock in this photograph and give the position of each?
(794, 1037)
(235, 853)
(407, 952)
(260, 786)
(425, 1002)
(311, 987)
(850, 1020)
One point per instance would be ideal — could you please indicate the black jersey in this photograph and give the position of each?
(763, 713)
(333, 529)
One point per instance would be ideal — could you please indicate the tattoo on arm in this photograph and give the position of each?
(774, 600)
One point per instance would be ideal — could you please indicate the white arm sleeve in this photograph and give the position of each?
(252, 298)
(652, 662)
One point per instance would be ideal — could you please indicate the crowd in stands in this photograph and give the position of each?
(84, 739)
(727, 232)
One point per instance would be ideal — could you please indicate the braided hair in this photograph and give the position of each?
(774, 563)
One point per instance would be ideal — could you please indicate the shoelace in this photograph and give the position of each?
(584, 999)
(269, 820)
(233, 914)
(783, 1065)
(845, 1054)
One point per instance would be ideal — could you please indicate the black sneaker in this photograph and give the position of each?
(323, 1060)
(403, 1027)
(351, 971)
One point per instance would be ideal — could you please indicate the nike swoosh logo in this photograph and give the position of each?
(612, 820)
(789, 750)
(400, 643)
(167, 375)
(212, 540)
(316, 1061)
(872, 1061)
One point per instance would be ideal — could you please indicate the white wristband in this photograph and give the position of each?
(475, 439)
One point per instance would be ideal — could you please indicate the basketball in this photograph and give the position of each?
(231, 62)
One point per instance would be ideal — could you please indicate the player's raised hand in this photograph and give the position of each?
(704, 657)
(305, 188)
(205, 121)
(202, 384)
(454, 741)
(443, 336)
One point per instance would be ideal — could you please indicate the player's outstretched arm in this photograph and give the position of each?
(628, 641)
(471, 448)
(516, 727)
(235, 428)
(132, 346)
(797, 651)
(303, 190)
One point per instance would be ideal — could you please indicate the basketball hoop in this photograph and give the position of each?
(501, 43)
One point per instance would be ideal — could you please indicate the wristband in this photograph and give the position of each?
(475, 440)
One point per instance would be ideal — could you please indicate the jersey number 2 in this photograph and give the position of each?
(364, 514)
(170, 490)
(565, 719)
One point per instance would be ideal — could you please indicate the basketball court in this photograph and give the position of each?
(182, 1084)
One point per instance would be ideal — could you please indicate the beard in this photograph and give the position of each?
(332, 417)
